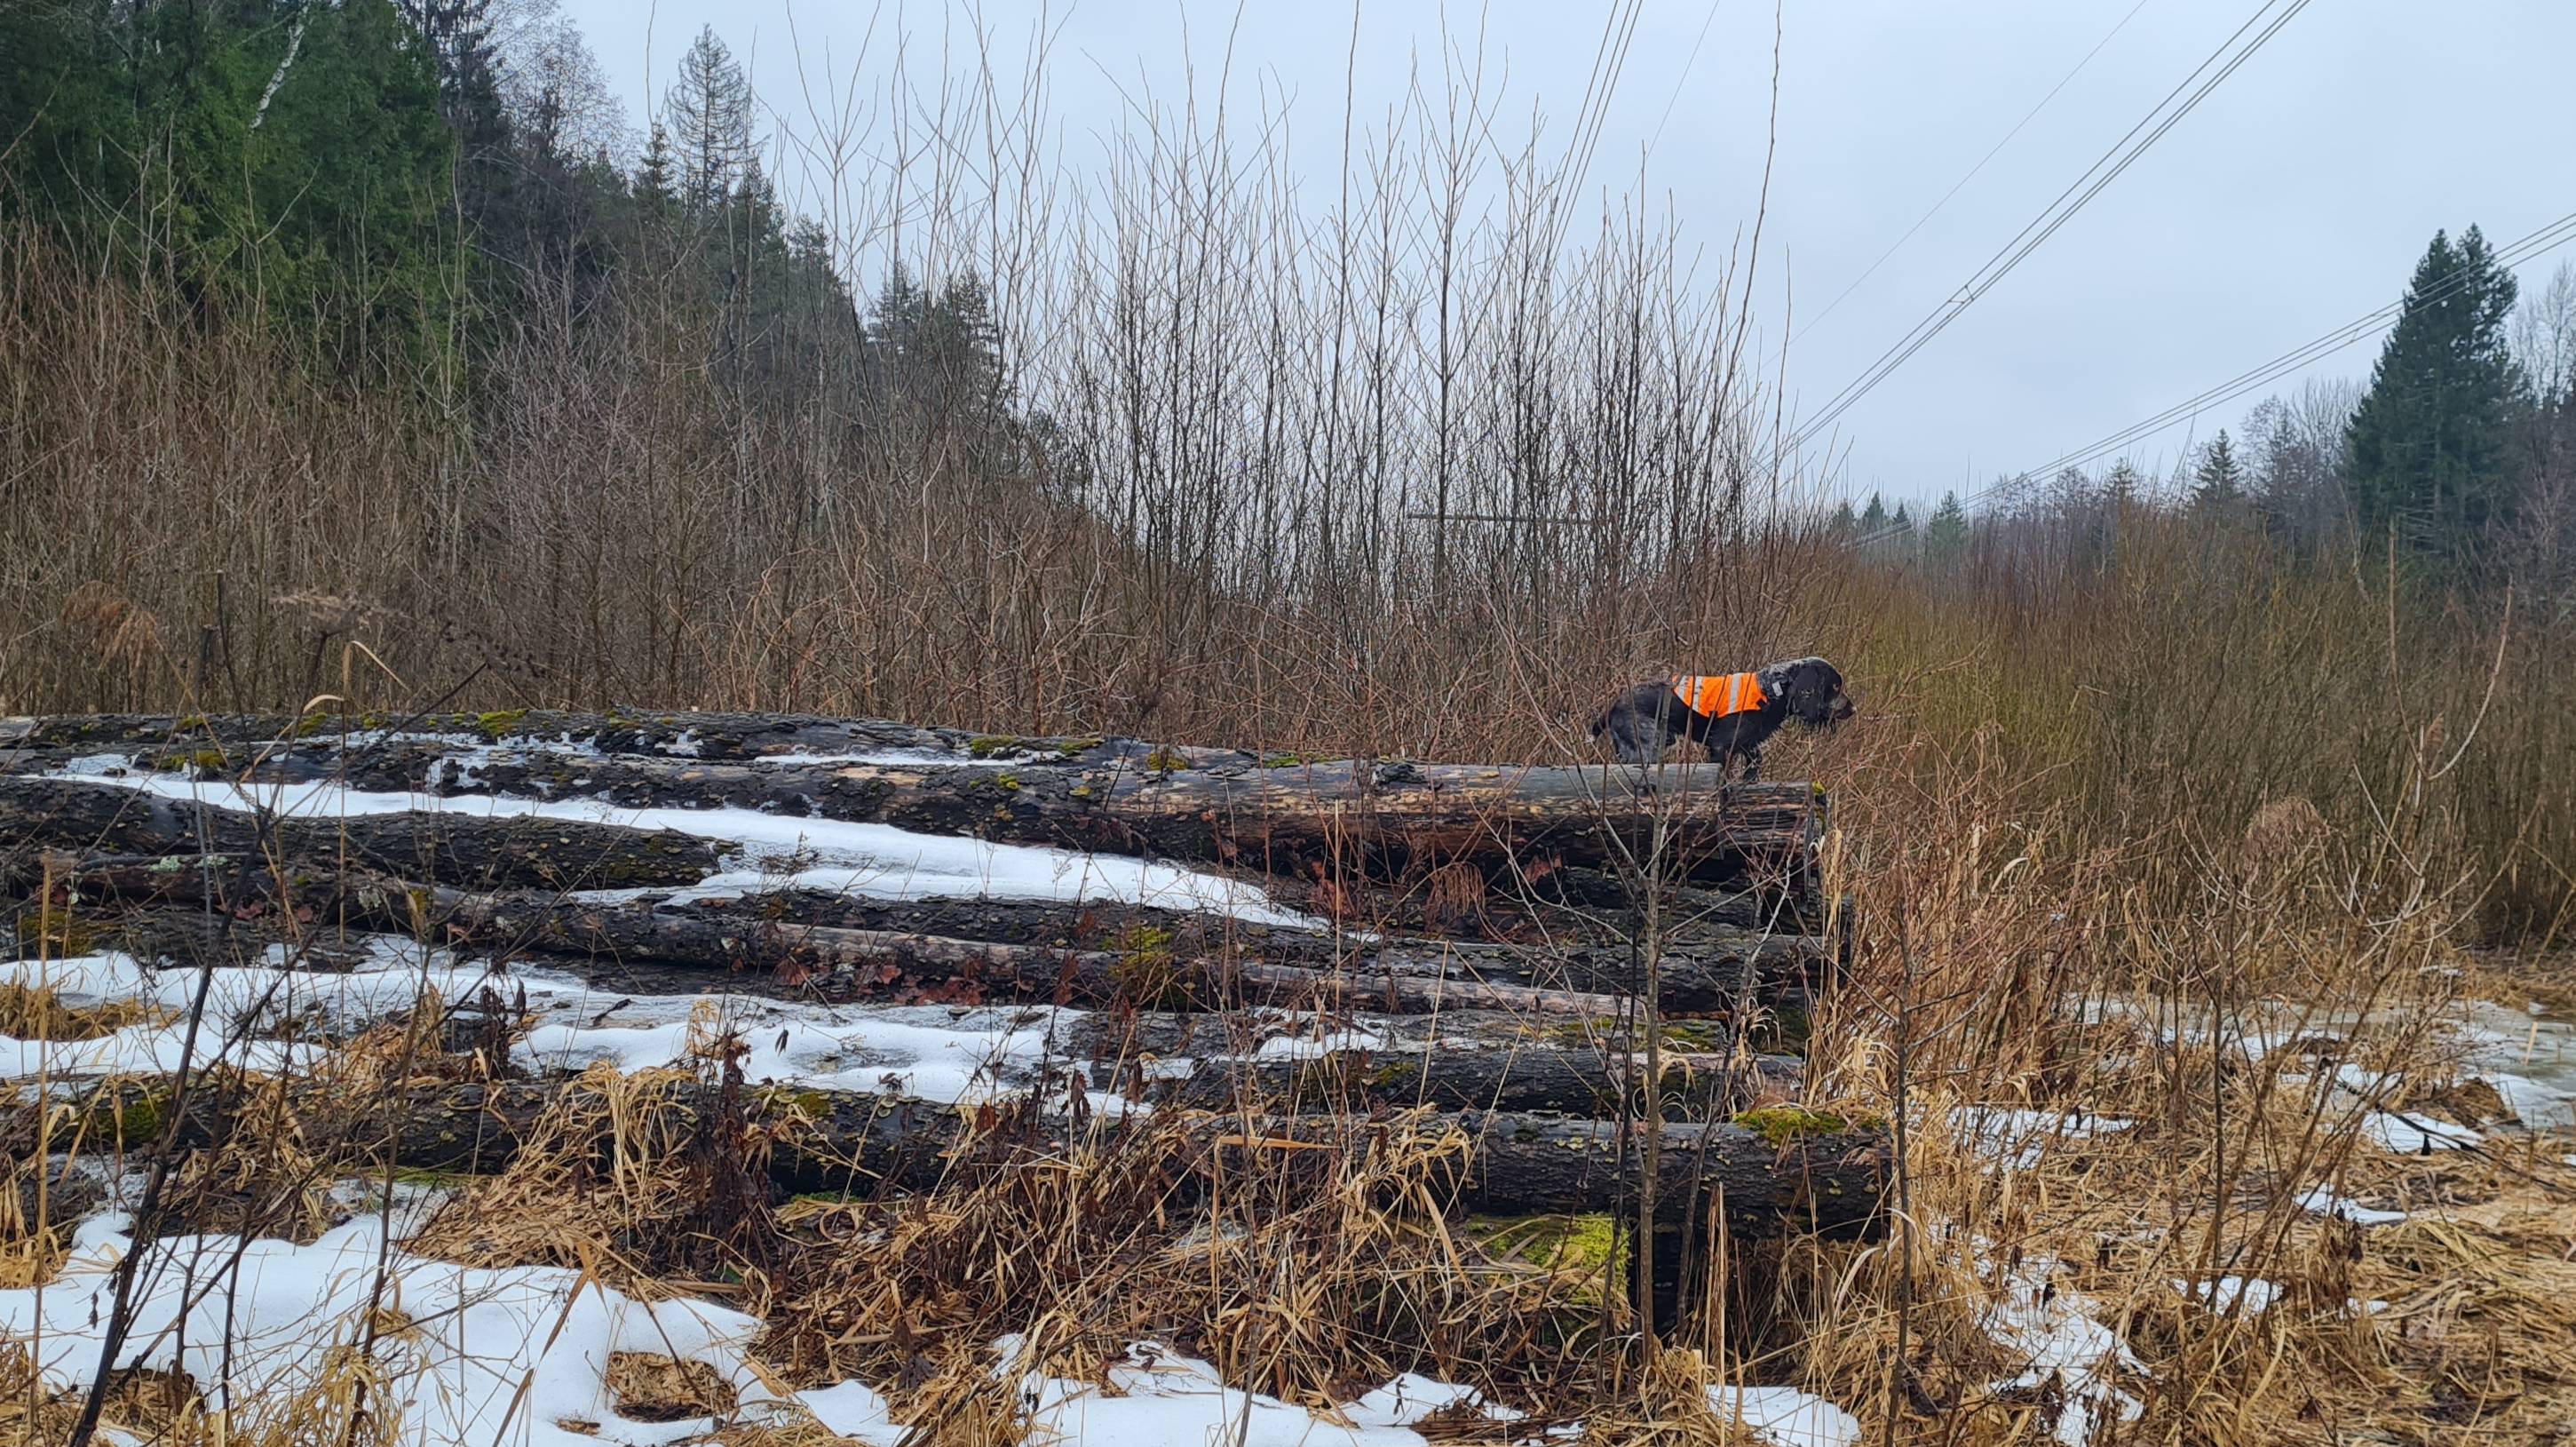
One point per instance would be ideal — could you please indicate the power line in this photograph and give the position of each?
(2122, 154)
(1920, 221)
(2512, 255)
(2547, 238)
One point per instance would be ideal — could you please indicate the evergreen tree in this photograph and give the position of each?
(2427, 447)
(708, 111)
(1945, 537)
(2218, 484)
(1873, 519)
(1843, 524)
(654, 188)
(2121, 485)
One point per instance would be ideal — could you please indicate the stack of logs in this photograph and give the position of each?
(1491, 923)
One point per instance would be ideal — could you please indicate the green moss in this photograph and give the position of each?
(985, 746)
(1081, 791)
(311, 724)
(1780, 1124)
(1164, 761)
(1281, 761)
(1393, 1074)
(1006, 781)
(497, 724)
(1589, 1243)
(135, 1114)
(1147, 971)
(192, 721)
(208, 761)
(1071, 747)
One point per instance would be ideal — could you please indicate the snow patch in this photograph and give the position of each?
(2057, 1334)
(253, 1320)
(1165, 1400)
(1785, 1416)
(2415, 1135)
(2021, 1137)
(2322, 1201)
(2228, 1293)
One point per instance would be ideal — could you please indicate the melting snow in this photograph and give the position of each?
(2021, 1137)
(1785, 1416)
(486, 1356)
(2057, 1334)
(2415, 1135)
(2228, 1292)
(1174, 1401)
(2322, 1201)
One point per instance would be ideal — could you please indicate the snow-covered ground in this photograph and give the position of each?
(519, 1356)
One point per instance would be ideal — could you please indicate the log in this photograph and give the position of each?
(1774, 1171)
(1298, 815)
(1558, 1079)
(517, 852)
(310, 741)
(1147, 966)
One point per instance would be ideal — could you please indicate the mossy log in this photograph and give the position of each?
(510, 852)
(1773, 1170)
(1561, 1079)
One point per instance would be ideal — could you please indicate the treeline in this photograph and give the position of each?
(412, 188)
(2459, 453)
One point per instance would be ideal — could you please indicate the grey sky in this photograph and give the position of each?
(2294, 199)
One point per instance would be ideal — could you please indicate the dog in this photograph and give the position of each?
(1731, 715)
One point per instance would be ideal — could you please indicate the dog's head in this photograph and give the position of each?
(1811, 689)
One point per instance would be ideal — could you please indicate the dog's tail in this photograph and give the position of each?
(1601, 722)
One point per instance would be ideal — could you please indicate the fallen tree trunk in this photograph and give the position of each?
(316, 739)
(511, 851)
(1146, 967)
(1558, 1079)
(1772, 1170)
(1294, 816)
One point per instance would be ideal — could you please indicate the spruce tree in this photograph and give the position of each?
(2426, 450)
(2218, 484)
(1945, 537)
(1873, 519)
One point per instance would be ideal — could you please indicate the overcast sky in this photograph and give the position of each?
(2293, 200)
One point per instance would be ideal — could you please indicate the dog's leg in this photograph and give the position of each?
(1752, 766)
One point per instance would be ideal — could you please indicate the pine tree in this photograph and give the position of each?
(708, 111)
(2427, 447)
(2218, 484)
(1843, 524)
(1873, 519)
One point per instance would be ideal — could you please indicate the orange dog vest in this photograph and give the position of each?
(1717, 695)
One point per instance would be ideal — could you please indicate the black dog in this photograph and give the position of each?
(1729, 715)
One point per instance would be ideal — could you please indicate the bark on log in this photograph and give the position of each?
(1774, 1171)
(1295, 816)
(1191, 968)
(315, 737)
(1558, 1079)
(511, 852)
